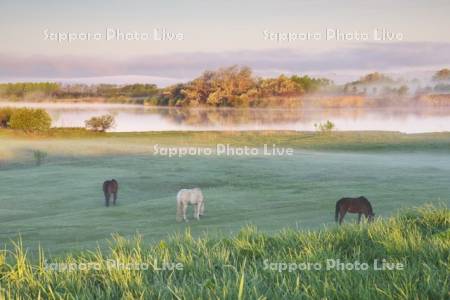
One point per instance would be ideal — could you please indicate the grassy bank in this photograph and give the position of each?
(141, 141)
(241, 267)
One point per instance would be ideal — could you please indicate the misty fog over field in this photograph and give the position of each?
(140, 118)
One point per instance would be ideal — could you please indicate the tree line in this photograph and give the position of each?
(51, 90)
(236, 86)
(232, 86)
(226, 87)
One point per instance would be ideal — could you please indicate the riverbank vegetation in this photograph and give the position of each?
(238, 87)
(25, 119)
(227, 87)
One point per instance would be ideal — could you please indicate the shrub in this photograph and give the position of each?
(30, 120)
(101, 123)
(328, 126)
(39, 156)
(5, 116)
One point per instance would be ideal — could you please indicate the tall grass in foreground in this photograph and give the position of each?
(235, 268)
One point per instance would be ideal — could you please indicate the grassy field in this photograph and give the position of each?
(59, 205)
(251, 265)
(16, 145)
(52, 215)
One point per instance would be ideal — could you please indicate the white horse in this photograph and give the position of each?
(190, 196)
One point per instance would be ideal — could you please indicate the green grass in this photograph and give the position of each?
(59, 204)
(77, 142)
(345, 140)
(57, 208)
(237, 267)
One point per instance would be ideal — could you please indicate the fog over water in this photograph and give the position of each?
(141, 118)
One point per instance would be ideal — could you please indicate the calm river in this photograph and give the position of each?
(141, 118)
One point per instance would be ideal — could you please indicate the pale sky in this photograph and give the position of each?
(216, 33)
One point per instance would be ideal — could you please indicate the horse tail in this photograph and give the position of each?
(202, 203)
(336, 214)
(105, 188)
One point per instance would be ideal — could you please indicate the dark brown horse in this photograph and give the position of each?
(358, 205)
(110, 187)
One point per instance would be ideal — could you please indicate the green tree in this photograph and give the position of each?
(39, 157)
(310, 85)
(23, 89)
(30, 120)
(101, 123)
(326, 127)
(138, 90)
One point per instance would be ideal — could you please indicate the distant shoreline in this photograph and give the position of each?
(237, 86)
(310, 101)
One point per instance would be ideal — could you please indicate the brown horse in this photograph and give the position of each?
(358, 205)
(110, 187)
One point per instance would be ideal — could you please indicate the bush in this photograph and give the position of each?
(328, 126)
(30, 120)
(39, 157)
(101, 123)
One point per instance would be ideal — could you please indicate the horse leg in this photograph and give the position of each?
(197, 211)
(107, 198)
(202, 209)
(184, 212)
(342, 215)
(359, 218)
(115, 198)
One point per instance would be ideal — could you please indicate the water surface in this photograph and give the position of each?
(142, 118)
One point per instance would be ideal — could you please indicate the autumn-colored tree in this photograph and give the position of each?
(375, 78)
(280, 86)
(442, 75)
(224, 87)
(232, 86)
(197, 91)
